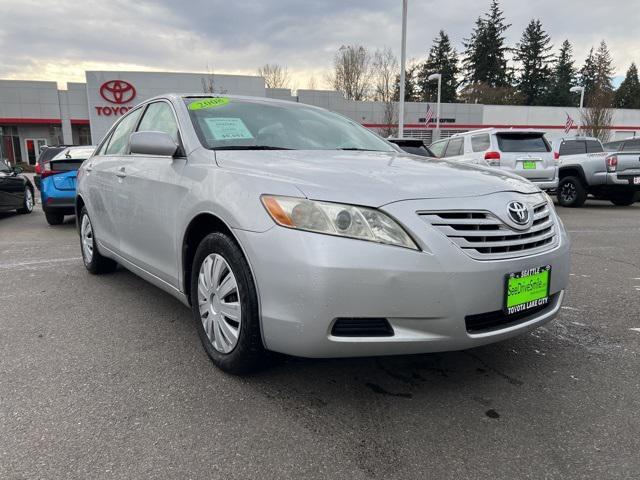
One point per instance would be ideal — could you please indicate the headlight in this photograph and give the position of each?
(337, 219)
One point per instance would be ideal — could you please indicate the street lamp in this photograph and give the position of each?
(579, 90)
(403, 61)
(437, 76)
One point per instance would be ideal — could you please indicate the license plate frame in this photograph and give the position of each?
(520, 300)
(636, 180)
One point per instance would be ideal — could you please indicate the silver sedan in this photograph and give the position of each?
(289, 228)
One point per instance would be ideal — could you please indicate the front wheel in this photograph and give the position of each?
(624, 199)
(27, 202)
(93, 261)
(571, 192)
(225, 305)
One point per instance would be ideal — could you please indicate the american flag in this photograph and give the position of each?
(429, 115)
(568, 124)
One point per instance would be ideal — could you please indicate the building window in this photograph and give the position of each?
(55, 135)
(10, 150)
(84, 135)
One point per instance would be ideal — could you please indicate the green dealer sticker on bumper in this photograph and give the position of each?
(527, 289)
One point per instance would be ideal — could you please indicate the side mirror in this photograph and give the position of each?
(152, 143)
(17, 170)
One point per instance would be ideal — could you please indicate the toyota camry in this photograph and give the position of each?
(292, 229)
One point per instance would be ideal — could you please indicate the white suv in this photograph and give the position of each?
(521, 151)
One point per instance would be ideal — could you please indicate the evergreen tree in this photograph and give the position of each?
(588, 72)
(442, 59)
(628, 95)
(534, 57)
(563, 78)
(604, 68)
(410, 87)
(485, 51)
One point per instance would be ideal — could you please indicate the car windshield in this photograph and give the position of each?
(522, 142)
(236, 124)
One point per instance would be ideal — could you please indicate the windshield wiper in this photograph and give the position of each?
(356, 149)
(251, 147)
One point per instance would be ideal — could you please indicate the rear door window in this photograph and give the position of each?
(522, 143)
(480, 143)
(593, 146)
(573, 147)
(454, 148)
(631, 145)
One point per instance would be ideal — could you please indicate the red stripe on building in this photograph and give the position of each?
(31, 121)
(79, 121)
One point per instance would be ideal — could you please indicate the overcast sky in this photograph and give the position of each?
(60, 39)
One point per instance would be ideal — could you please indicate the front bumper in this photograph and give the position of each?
(306, 281)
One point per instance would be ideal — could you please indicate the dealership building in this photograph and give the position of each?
(37, 113)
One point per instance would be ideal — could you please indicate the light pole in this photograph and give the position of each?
(437, 76)
(581, 91)
(403, 61)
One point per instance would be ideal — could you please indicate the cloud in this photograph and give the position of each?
(59, 39)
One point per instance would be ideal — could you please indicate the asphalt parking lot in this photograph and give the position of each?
(104, 377)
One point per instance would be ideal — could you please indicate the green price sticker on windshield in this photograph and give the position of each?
(209, 103)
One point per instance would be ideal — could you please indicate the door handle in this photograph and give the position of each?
(89, 167)
(121, 173)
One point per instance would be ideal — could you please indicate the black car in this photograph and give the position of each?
(414, 146)
(16, 191)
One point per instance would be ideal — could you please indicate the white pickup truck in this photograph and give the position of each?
(586, 169)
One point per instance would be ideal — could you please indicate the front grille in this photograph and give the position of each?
(486, 322)
(362, 327)
(484, 236)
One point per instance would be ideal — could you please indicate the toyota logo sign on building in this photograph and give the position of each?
(117, 91)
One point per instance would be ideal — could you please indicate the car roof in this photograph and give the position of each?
(179, 97)
(493, 130)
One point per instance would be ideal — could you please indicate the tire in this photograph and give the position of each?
(54, 218)
(93, 261)
(27, 202)
(571, 192)
(623, 199)
(233, 344)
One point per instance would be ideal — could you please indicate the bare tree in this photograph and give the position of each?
(209, 82)
(312, 84)
(352, 72)
(385, 71)
(597, 117)
(275, 76)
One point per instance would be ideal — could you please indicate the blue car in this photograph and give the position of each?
(58, 183)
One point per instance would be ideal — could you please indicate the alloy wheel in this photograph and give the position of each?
(86, 235)
(219, 303)
(28, 200)
(568, 192)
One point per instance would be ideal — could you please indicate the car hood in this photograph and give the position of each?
(372, 178)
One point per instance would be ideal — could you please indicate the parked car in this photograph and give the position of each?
(614, 177)
(577, 145)
(629, 145)
(292, 229)
(521, 151)
(414, 146)
(46, 154)
(58, 183)
(16, 191)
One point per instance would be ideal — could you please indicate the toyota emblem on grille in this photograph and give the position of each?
(518, 212)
